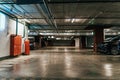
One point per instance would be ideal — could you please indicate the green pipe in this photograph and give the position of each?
(16, 26)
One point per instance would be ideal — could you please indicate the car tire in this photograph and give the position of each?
(114, 51)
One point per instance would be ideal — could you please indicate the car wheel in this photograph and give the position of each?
(114, 51)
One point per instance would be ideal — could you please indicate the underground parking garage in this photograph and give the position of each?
(59, 39)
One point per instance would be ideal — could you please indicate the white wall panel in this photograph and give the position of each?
(4, 36)
(20, 29)
(12, 26)
(5, 31)
(77, 42)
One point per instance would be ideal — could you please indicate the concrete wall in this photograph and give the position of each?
(5, 31)
(77, 42)
(61, 43)
(25, 37)
(4, 36)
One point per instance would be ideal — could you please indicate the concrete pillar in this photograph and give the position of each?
(40, 41)
(98, 37)
(77, 42)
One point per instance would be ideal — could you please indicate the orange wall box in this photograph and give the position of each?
(15, 45)
(27, 47)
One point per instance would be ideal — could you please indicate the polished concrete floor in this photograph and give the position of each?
(61, 63)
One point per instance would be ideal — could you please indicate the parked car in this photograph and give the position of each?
(110, 46)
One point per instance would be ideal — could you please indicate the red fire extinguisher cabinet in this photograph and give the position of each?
(27, 47)
(15, 45)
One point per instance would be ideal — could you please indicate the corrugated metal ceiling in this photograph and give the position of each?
(65, 14)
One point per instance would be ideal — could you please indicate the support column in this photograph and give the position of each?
(40, 41)
(37, 41)
(98, 37)
(77, 42)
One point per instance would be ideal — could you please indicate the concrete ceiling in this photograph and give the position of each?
(61, 15)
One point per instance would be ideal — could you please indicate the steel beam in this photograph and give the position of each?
(78, 18)
(59, 2)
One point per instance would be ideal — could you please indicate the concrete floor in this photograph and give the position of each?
(61, 63)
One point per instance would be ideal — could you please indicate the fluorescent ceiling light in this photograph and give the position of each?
(73, 20)
(107, 30)
(78, 20)
(67, 20)
(52, 36)
(69, 31)
(26, 20)
(58, 38)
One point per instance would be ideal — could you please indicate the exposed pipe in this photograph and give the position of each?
(42, 13)
(24, 11)
(11, 12)
(29, 14)
(92, 20)
(16, 26)
(66, 2)
(7, 13)
(21, 8)
(50, 15)
(81, 18)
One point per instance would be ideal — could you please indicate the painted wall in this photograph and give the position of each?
(12, 26)
(4, 36)
(77, 42)
(5, 31)
(20, 31)
(61, 43)
(23, 39)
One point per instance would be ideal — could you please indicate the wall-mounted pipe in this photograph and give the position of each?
(51, 17)
(7, 10)
(50, 13)
(7, 13)
(43, 14)
(16, 26)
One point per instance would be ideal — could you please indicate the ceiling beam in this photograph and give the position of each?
(78, 18)
(54, 29)
(82, 25)
(58, 2)
(83, 1)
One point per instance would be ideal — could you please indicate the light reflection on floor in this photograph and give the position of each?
(62, 62)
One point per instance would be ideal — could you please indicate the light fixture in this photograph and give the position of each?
(67, 20)
(58, 38)
(52, 36)
(78, 20)
(72, 20)
(26, 20)
(107, 30)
